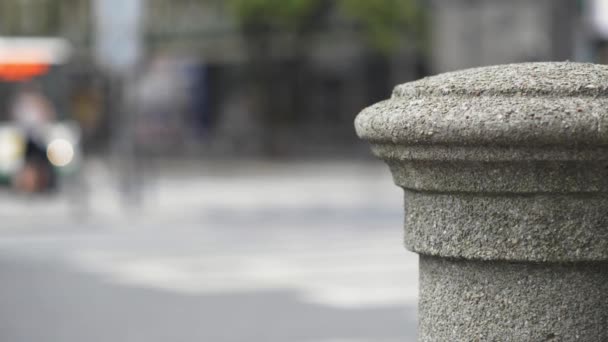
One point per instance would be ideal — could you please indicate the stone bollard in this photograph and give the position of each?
(505, 172)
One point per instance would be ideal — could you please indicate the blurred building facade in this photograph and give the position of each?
(318, 83)
(469, 33)
(296, 94)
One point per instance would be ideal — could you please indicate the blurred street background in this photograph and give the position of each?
(187, 170)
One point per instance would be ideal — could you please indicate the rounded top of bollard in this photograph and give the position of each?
(528, 104)
(506, 162)
(524, 79)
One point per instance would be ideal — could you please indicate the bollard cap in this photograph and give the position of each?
(530, 104)
(506, 162)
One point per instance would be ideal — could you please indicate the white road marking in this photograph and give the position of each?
(362, 278)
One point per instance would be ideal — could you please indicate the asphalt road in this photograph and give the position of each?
(273, 253)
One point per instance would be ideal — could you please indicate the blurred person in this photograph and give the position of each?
(159, 98)
(86, 103)
(32, 111)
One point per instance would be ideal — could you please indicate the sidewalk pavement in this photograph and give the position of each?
(302, 252)
(217, 190)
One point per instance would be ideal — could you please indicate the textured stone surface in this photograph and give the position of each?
(537, 104)
(501, 177)
(463, 301)
(555, 79)
(500, 163)
(484, 226)
(505, 172)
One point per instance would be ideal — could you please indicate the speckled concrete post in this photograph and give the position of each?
(505, 172)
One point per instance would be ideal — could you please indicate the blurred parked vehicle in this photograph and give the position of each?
(28, 169)
(40, 148)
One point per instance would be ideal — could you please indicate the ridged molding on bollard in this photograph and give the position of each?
(505, 172)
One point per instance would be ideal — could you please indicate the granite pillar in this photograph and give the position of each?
(505, 174)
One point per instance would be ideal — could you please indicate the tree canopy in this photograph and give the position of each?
(385, 21)
(285, 14)
(382, 22)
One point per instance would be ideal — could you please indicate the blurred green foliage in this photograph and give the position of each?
(383, 22)
(279, 14)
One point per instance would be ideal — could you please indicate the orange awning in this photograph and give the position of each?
(13, 72)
